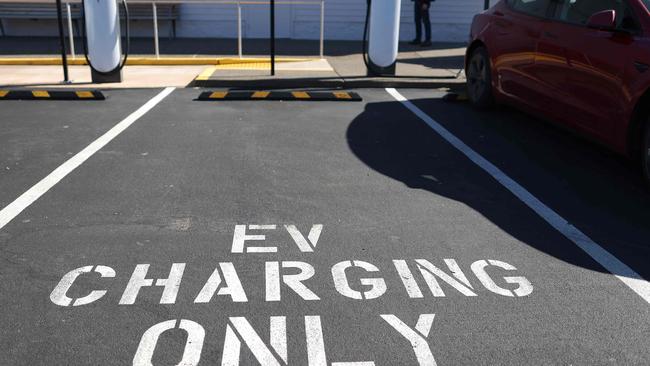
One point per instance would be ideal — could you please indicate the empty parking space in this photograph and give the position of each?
(311, 234)
(38, 136)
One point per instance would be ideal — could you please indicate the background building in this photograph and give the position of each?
(344, 20)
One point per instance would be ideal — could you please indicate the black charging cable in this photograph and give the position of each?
(127, 43)
(371, 67)
(368, 64)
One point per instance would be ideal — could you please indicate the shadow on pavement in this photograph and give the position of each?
(597, 191)
(437, 62)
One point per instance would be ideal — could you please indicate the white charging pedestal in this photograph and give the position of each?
(383, 40)
(102, 21)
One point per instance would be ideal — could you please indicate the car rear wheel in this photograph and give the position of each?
(479, 78)
(645, 152)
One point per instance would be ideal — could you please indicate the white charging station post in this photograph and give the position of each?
(383, 40)
(102, 22)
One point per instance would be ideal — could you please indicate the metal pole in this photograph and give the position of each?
(487, 4)
(64, 58)
(70, 33)
(239, 35)
(322, 27)
(155, 29)
(272, 37)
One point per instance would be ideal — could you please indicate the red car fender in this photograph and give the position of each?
(480, 27)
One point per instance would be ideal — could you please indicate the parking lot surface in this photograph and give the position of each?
(313, 233)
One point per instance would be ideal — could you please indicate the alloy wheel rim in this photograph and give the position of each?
(477, 76)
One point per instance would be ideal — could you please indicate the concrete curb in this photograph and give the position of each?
(331, 83)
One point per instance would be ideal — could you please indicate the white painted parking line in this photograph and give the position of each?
(26, 199)
(619, 269)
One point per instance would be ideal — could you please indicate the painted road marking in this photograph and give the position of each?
(300, 95)
(260, 94)
(342, 95)
(240, 332)
(218, 95)
(85, 94)
(193, 345)
(619, 269)
(240, 237)
(205, 75)
(40, 94)
(21, 203)
(282, 276)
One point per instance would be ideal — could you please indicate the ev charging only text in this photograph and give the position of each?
(418, 278)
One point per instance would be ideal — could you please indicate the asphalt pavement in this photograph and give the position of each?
(311, 233)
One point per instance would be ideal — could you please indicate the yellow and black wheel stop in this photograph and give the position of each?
(51, 95)
(280, 95)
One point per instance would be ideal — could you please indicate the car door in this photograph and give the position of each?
(585, 66)
(517, 30)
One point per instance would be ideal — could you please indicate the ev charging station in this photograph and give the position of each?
(381, 36)
(102, 41)
(103, 48)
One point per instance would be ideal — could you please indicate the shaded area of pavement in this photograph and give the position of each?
(599, 192)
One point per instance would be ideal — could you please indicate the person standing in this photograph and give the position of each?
(422, 18)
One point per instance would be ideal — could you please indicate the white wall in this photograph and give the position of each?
(208, 21)
(343, 20)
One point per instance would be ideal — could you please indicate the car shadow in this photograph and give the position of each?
(437, 62)
(599, 192)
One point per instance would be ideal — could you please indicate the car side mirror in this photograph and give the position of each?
(603, 20)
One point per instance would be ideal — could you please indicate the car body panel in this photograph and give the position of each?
(587, 79)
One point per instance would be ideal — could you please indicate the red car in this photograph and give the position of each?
(582, 63)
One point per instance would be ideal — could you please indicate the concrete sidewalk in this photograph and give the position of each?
(439, 66)
(416, 68)
(30, 77)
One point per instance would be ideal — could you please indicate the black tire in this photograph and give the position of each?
(645, 152)
(479, 78)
